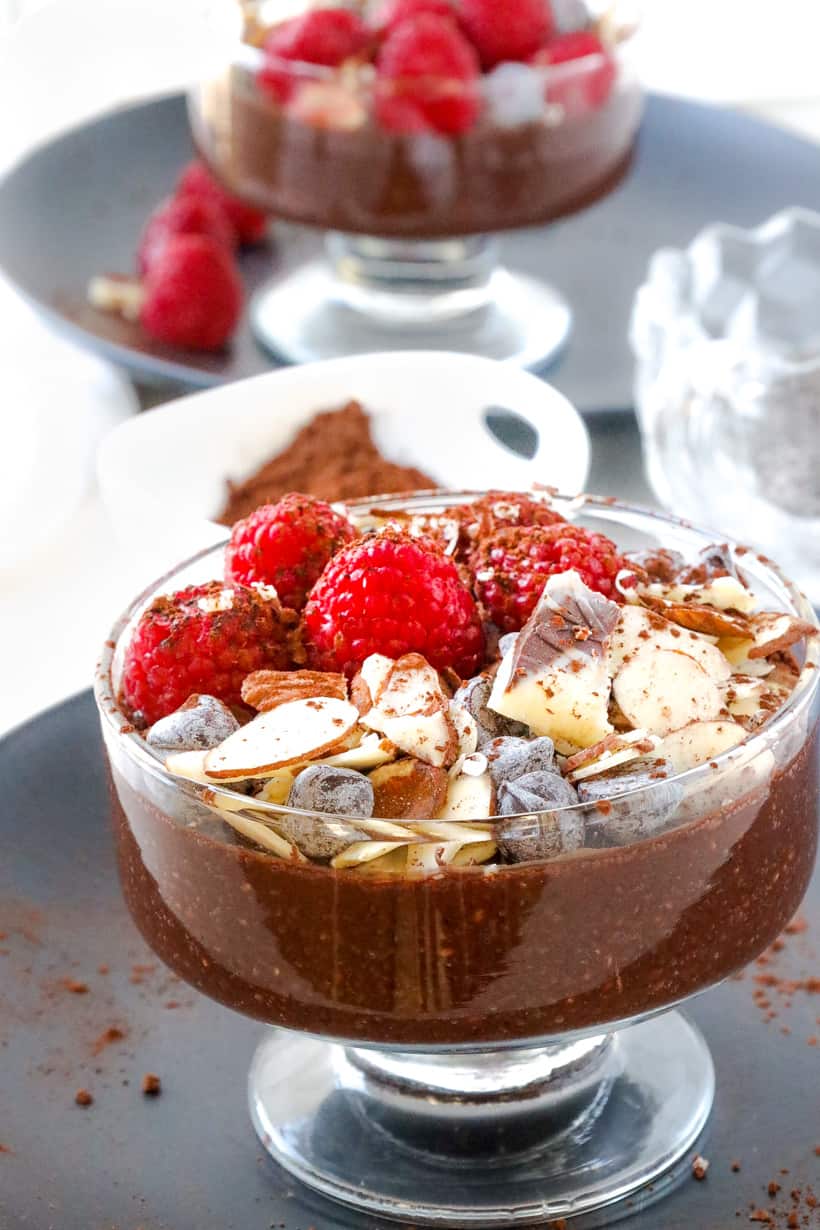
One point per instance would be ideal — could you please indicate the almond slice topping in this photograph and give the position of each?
(266, 690)
(295, 731)
(773, 631)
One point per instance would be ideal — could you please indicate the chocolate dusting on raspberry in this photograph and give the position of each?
(332, 457)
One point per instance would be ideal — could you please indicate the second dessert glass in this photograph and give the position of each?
(481, 1044)
(410, 257)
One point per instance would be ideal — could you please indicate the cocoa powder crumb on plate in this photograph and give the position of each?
(109, 1036)
(83, 1098)
(700, 1167)
(75, 987)
(151, 1085)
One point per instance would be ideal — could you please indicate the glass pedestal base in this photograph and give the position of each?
(486, 1138)
(374, 295)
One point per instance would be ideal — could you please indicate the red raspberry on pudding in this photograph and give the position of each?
(392, 13)
(249, 223)
(498, 510)
(286, 545)
(427, 78)
(512, 567)
(204, 639)
(502, 32)
(183, 215)
(392, 594)
(590, 85)
(324, 37)
(192, 294)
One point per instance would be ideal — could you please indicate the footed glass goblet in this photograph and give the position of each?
(463, 1042)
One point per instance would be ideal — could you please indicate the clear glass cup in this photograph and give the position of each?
(476, 1044)
(410, 258)
(726, 335)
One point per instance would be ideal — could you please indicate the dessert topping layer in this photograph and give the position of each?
(404, 733)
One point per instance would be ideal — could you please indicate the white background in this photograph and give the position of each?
(62, 61)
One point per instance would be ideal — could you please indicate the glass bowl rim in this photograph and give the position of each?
(742, 753)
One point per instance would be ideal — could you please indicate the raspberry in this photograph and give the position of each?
(392, 13)
(249, 223)
(286, 545)
(589, 85)
(184, 215)
(427, 78)
(204, 639)
(498, 510)
(512, 567)
(392, 594)
(325, 37)
(192, 294)
(506, 31)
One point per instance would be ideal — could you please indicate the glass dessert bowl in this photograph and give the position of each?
(411, 171)
(477, 973)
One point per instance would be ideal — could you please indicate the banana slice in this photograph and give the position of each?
(660, 690)
(639, 629)
(700, 742)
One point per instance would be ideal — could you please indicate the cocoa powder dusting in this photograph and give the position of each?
(332, 457)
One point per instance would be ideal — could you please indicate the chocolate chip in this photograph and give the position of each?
(635, 816)
(511, 758)
(201, 723)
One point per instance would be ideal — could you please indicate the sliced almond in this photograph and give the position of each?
(408, 789)
(277, 788)
(639, 629)
(444, 830)
(726, 593)
(697, 618)
(474, 854)
(263, 836)
(191, 766)
(266, 690)
(468, 798)
(427, 858)
(293, 732)
(774, 631)
(368, 754)
(700, 742)
(363, 852)
(661, 690)
(392, 864)
(615, 750)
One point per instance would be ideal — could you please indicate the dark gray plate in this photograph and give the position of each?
(76, 207)
(189, 1160)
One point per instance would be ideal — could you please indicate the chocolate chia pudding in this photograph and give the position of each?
(601, 800)
(465, 957)
(417, 186)
(410, 125)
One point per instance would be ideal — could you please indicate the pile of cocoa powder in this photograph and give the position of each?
(332, 457)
